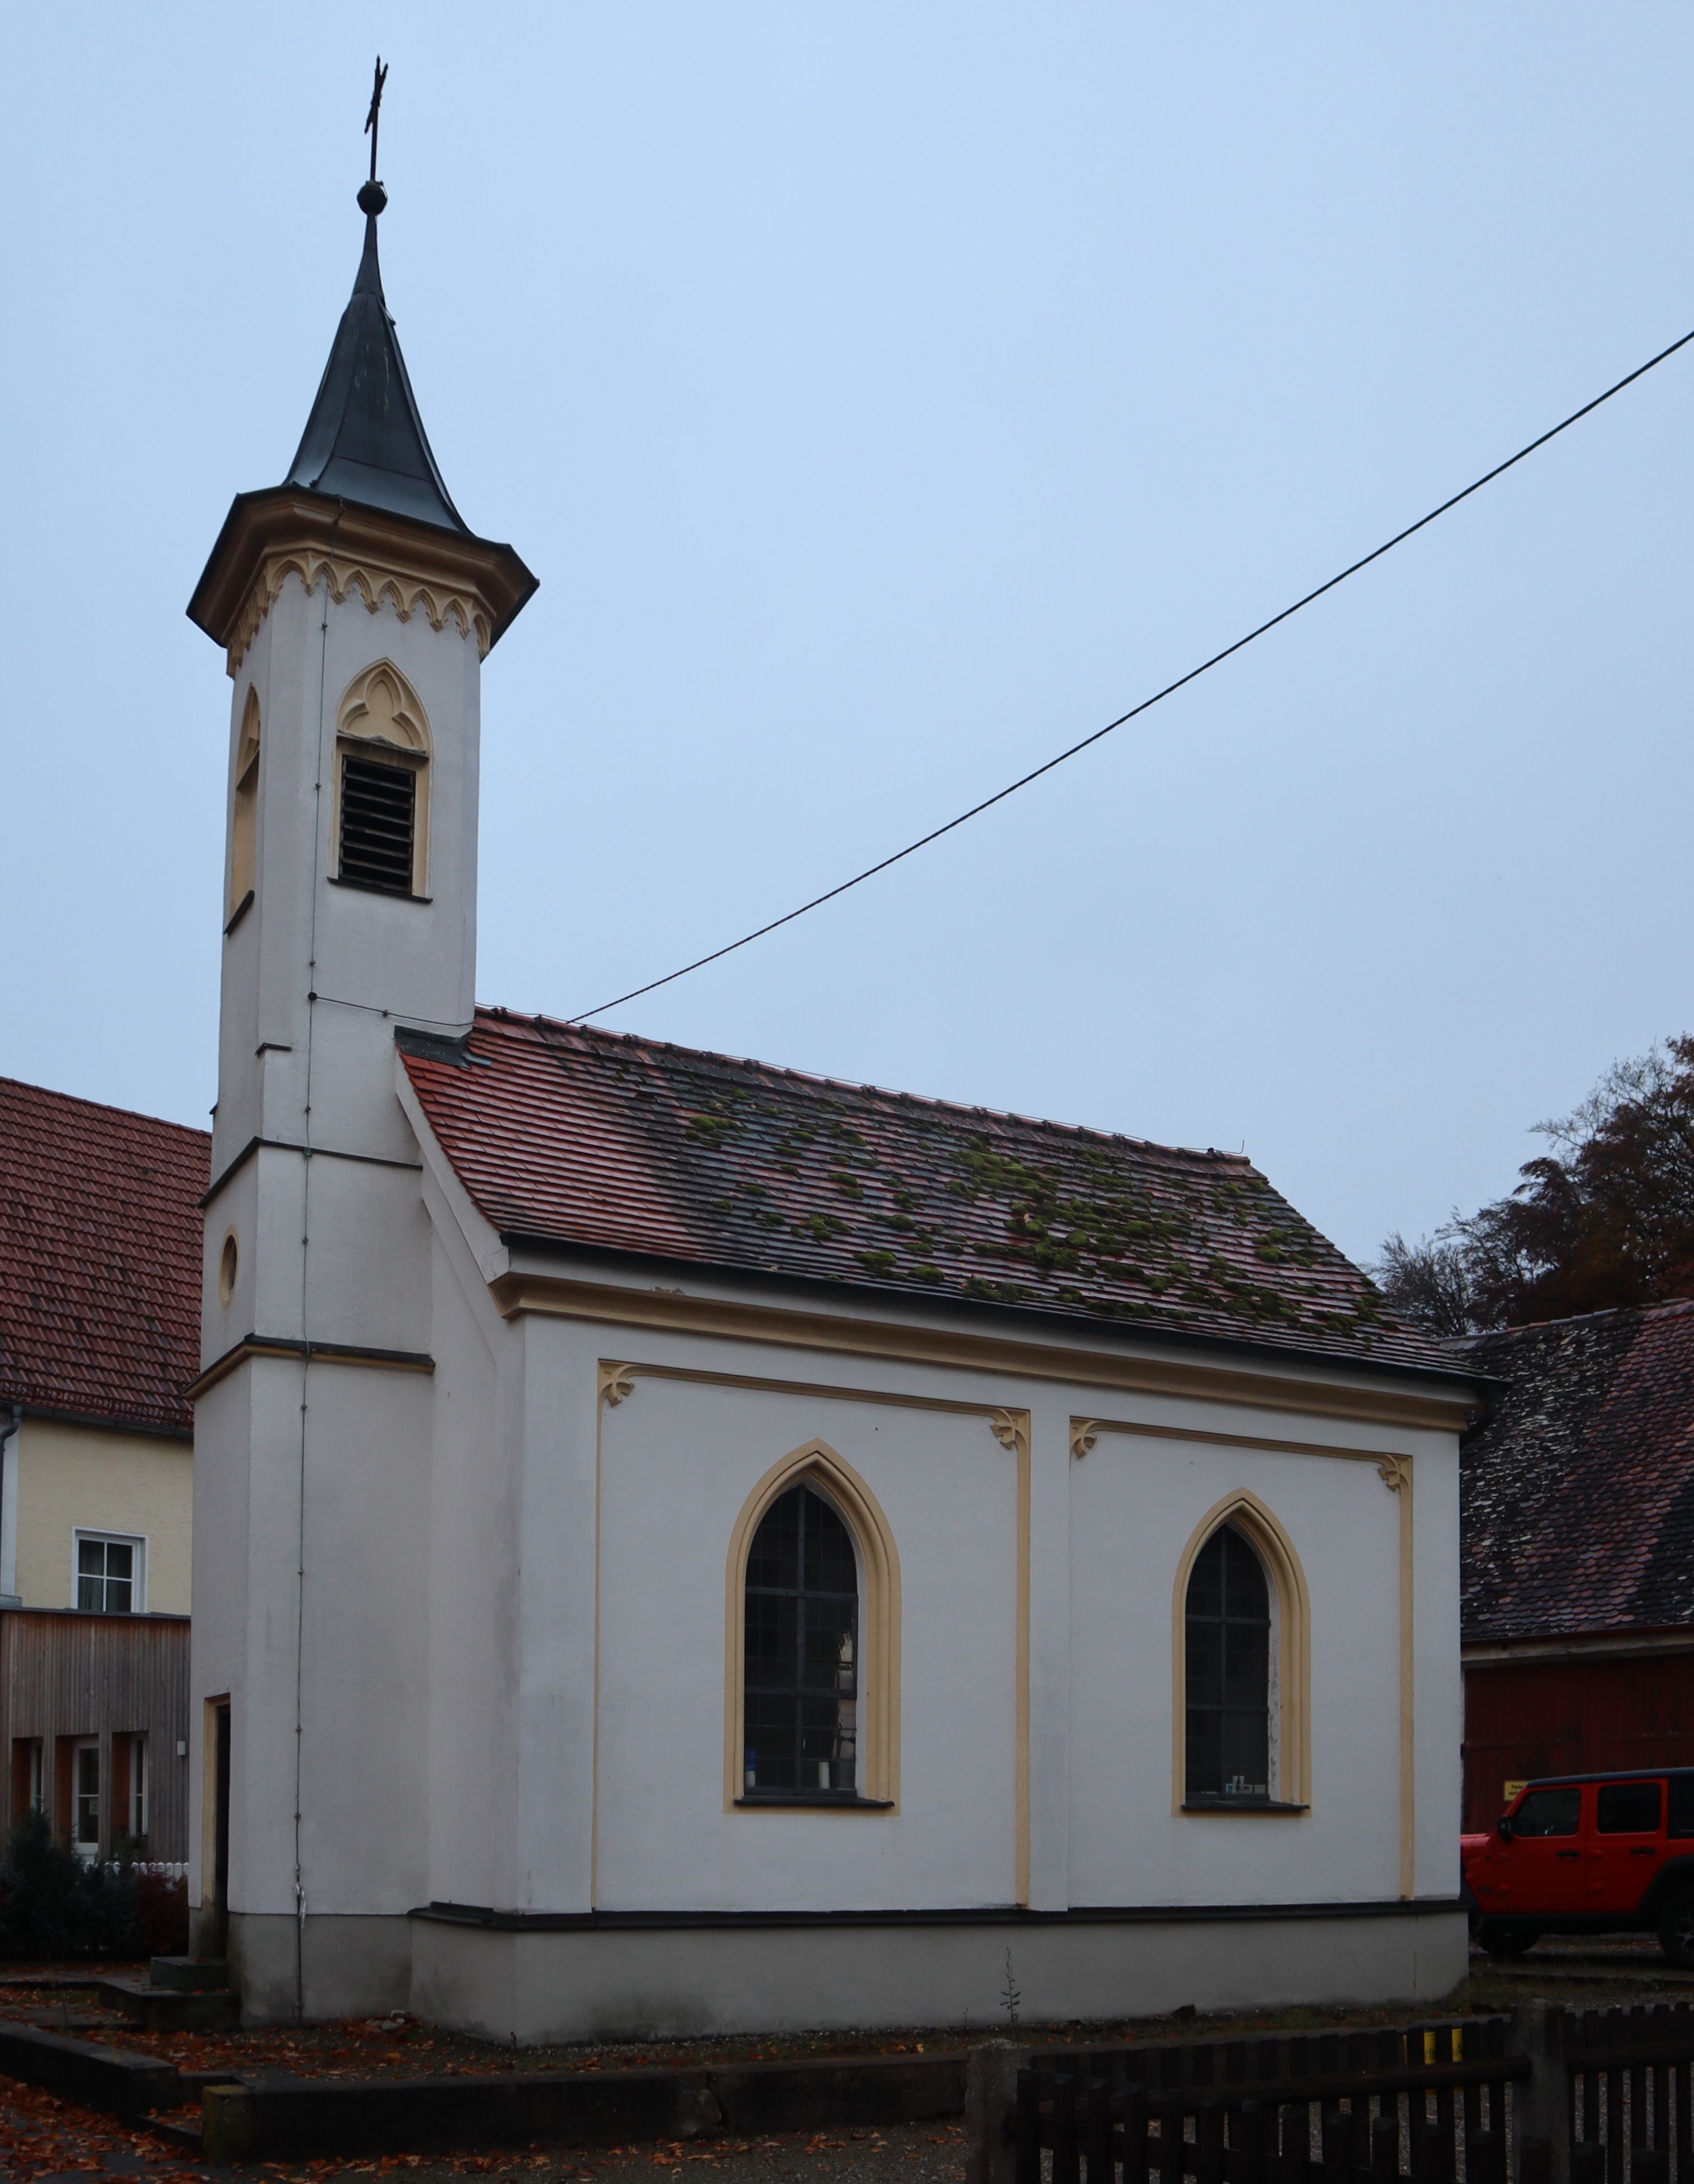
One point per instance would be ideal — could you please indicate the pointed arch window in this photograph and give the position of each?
(1242, 1665)
(244, 815)
(800, 1721)
(812, 1692)
(381, 807)
(1228, 1643)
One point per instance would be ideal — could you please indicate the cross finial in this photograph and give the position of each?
(373, 196)
(374, 118)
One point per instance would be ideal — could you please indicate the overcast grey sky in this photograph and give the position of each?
(887, 395)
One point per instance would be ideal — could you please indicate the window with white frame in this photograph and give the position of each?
(111, 1573)
(86, 1799)
(138, 1789)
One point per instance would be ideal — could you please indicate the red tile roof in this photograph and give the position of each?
(1578, 1495)
(99, 1258)
(578, 1137)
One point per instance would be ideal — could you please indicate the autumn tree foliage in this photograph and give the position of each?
(1604, 1218)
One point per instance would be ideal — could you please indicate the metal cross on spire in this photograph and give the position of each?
(373, 118)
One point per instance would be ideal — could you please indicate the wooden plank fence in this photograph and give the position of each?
(1631, 2095)
(1428, 2104)
(1548, 2096)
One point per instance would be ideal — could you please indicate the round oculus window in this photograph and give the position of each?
(229, 1266)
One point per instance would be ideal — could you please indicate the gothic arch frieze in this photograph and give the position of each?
(409, 592)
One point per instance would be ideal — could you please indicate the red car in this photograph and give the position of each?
(1588, 1854)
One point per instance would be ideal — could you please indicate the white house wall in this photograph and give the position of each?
(678, 1461)
(477, 1561)
(1136, 1503)
(347, 945)
(1439, 1714)
(578, 1706)
(619, 1804)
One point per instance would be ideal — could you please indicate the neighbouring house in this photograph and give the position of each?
(99, 1302)
(681, 1544)
(1579, 1551)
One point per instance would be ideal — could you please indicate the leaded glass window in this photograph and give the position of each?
(801, 1706)
(1228, 1672)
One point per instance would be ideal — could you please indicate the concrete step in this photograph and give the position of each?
(179, 2133)
(189, 1974)
(165, 2009)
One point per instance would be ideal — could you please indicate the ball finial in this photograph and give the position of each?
(373, 197)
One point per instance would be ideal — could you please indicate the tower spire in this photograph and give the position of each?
(364, 440)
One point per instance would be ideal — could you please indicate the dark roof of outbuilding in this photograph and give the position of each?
(568, 1136)
(1578, 1495)
(99, 1259)
(364, 440)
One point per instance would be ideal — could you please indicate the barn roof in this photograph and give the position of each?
(99, 1259)
(566, 1136)
(1578, 1495)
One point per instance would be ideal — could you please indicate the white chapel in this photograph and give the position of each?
(682, 1544)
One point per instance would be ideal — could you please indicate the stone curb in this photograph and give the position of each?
(274, 2117)
(109, 2079)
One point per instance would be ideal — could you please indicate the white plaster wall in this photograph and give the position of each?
(663, 1984)
(475, 1568)
(225, 1444)
(364, 1711)
(391, 957)
(679, 1461)
(551, 1419)
(330, 1466)
(573, 1785)
(1441, 1682)
(99, 1480)
(1135, 1504)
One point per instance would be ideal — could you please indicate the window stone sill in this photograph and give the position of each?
(798, 1802)
(371, 886)
(1245, 1805)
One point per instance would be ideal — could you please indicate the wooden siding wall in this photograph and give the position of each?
(65, 1676)
(1529, 1717)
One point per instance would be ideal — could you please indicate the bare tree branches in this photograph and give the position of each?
(1605, 1219)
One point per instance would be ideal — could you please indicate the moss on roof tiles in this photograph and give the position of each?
(770, 1169)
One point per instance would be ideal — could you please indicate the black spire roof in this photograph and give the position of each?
(364, 461)
(365, 441)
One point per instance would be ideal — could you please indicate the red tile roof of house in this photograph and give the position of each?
(1578, 1495)
(99, 1259)
(571, 1136)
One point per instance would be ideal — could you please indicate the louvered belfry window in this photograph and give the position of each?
(379, 815)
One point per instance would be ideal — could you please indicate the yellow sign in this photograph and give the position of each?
(1512, 1788)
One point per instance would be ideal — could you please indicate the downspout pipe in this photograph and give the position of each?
(11, 1418)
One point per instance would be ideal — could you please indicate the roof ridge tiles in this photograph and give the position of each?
(101, 1107)
(1662, 1307)
(591, 1034)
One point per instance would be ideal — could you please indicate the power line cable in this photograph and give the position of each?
(1147, 704)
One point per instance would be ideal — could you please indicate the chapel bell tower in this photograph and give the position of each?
(355, 608)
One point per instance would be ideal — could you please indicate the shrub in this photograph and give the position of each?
(54, 1905)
